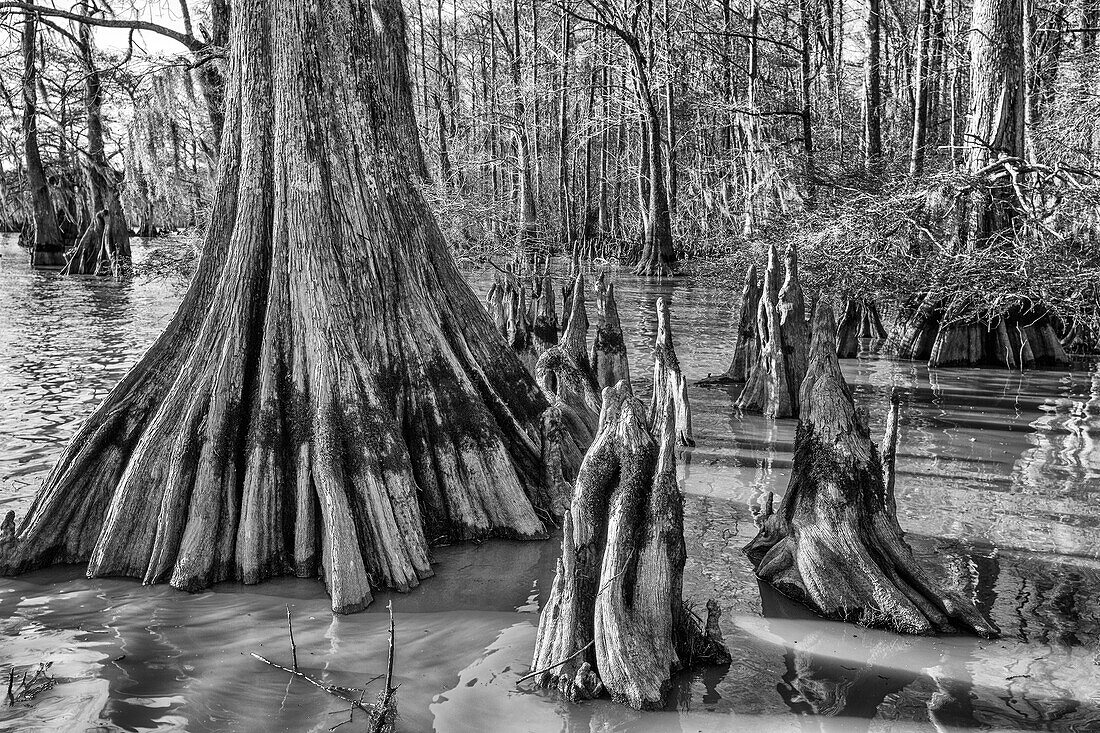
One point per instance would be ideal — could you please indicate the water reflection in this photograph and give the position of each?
(997, 487)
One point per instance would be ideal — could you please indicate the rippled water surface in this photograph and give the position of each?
(998, 487)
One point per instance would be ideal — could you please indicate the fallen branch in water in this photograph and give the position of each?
(29, 688)
(382, 714)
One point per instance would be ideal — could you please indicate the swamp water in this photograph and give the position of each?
(998, 488)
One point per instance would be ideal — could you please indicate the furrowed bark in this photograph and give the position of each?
(835, 544)
(330, 397)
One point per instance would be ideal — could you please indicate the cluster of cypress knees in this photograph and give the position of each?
(615, 622)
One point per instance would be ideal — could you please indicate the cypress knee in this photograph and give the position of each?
(835, 543)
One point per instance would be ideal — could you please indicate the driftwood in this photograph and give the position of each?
(1020, 338)
(669, 384)
(835, 544)
(772, 386)
(860, 319)
(608, 357)
(746, 347)
(615, 619)
(381, 715)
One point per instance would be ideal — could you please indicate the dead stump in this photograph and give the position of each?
(835, 543)
(608, 357)
(615, 619)
(669, 384)
(780, 366)
(568, 425)
(746, 347)
(860, 319)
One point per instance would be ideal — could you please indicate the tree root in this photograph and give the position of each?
(835, 543)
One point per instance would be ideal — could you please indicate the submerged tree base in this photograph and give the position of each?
(835, 543)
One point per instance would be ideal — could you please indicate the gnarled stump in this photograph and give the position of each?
(494, 306)
(860, 319)
(615, 617)
(568, 425)
(766, 390)
(574, 339)
(794, 329)
(669, 385)
(608, 358)
(746, 346)
(330, 398)
(835, 543)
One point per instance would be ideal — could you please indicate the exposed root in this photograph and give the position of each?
(568, 426)
(860, 319)
(835, 543)
(1023, 337)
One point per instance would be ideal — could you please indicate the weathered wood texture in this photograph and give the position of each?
(615, 617)
(330, 398)
(780, 366)
(608, 357)
(746, 346)
(835, 544)
(669, 398)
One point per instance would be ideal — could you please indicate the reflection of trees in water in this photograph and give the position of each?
(1065, 451)
(818, 684)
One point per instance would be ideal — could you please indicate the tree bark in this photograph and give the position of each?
(608, 357)
(669, 384)
(746, 346)
(47, 246)
(330, 397)
(615, 617)
(835, 543)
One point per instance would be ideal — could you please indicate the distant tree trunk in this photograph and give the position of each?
(103, 180)
(805, 74)
(47, 247)
(920, 84)
(997, 103)
(330, 397)
(527, 224)
(872, 85)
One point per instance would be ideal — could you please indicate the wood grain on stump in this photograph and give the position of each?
(615, 618)
(835, 544)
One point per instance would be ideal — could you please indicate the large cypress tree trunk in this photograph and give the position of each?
(330, 397)
(1022, 335)
(47, 248)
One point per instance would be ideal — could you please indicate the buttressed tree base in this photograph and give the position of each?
(330, 398)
